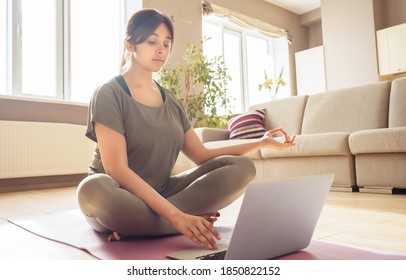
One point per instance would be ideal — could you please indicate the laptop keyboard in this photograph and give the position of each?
(220, 255)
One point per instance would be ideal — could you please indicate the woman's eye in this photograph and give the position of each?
(166, 45)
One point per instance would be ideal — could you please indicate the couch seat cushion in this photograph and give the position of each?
(375, 141)
(323, 144)
(213, 144)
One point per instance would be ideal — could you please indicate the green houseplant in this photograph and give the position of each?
(201, 84)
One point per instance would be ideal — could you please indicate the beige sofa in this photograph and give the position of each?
(358, 134)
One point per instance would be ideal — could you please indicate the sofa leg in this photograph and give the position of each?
(355, 188)
(398, 191)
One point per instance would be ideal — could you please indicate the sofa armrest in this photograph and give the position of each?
(208, 134)
(182, 163)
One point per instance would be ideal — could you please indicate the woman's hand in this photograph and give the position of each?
(270, 142)
(199, 229)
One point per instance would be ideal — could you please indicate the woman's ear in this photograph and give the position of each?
(128, 46)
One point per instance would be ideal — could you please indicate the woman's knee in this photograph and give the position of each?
(93, 188)
(243, 167)
(249, 166)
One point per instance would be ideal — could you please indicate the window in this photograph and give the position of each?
(248, 55)
(38, 32)
(233, 61)
(3, 46)
(95, 45)
(59, 49)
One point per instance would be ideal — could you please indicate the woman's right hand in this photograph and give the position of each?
(270, 142)
(199, 229)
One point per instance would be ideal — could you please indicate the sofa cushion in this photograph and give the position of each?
(286, 113)
(397, 105)
(214, 144)
(323, 144)
(348, 110)
(375, 141)
(247, 125)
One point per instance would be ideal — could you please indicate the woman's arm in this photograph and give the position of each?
(198, 153)
(112, 146)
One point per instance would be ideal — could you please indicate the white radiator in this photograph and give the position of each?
(30, 149)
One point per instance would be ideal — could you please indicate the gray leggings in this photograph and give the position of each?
(203, 189)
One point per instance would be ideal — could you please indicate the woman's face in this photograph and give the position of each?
(153, 53)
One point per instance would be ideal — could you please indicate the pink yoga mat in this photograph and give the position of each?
(70, 228)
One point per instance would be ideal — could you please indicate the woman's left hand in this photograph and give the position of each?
(270, 142)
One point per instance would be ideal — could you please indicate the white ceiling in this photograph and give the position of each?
(297, 6)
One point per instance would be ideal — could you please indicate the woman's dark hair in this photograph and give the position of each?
(141, 25)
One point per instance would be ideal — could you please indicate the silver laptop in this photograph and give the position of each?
(276, 217)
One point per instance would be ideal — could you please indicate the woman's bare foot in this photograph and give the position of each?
(114, 237)
(211, 217)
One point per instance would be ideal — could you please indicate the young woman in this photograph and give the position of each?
(140, 128)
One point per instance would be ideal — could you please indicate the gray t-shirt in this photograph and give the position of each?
(154, 135)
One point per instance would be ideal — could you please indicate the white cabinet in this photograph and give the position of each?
(310, 71)
(391, 46)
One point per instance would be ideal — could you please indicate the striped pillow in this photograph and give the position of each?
(247, 125)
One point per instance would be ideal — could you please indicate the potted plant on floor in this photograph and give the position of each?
(201, 84)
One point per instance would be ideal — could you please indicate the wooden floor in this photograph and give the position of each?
(368, 220)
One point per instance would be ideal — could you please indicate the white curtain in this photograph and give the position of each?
(246, 21)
